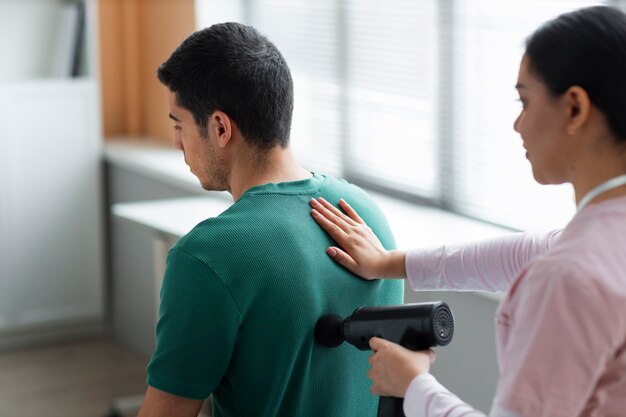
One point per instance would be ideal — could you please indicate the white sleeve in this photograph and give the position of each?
(487, 265)
(426, 397)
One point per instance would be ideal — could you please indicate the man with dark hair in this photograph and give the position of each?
(242, 291)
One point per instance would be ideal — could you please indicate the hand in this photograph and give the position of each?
(361, 252)
(394, 367)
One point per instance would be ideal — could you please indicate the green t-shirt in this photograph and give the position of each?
(240, 298)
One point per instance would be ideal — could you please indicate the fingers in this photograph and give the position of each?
(393, 367)
(332, 213)
(361, 252)
(339, 236)
(335, 223)
(336, 211)
(342, 258)
(380, 372)
(350, 211)
(336, 232)
(376, 343)
(375, 389)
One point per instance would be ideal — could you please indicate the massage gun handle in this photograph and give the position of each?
(390, 407)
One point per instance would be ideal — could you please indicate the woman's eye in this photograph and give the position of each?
(177, 128)
(521, 100)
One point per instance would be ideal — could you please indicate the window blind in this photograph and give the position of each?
(492, 178)
(391, 94)
(416, 97)
(307, 34)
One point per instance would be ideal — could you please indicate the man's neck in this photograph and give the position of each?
(277, 165)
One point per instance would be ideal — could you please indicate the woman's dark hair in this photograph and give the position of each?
(233, 68)
(585, 48)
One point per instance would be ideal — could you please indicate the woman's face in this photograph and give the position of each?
(541, 124)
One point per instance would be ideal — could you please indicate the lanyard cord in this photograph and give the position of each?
(602, 188)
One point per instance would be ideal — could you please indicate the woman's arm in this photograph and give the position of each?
(426, 397)
(399, 372)
(489, 265)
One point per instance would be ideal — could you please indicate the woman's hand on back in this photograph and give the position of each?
(359, 249)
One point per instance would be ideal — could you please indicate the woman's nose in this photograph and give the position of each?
(516, 123)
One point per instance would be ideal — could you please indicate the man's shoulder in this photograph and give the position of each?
(204, 235)
(223, 234)
(337, 188)
(341, 183)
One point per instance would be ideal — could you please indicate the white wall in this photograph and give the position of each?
(50, 196)
(27, 29)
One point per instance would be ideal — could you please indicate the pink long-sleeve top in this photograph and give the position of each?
(561, 330)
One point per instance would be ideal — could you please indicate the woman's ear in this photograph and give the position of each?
(222, 127)
(578, 108)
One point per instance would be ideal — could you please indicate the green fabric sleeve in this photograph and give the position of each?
(196, 331)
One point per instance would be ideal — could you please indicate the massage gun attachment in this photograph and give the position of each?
(414, 326)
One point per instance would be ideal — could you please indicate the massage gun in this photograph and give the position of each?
(414, 326)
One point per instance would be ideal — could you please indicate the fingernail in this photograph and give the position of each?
(315, 213)
(331, 252)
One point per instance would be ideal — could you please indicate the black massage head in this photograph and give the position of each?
(328, 330)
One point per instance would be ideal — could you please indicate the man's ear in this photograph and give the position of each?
(578, 108)
(223, 128)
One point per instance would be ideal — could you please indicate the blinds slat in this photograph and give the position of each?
(377, 99)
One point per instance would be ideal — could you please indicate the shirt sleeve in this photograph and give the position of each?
(487, 265)
(426, 397)
(196, 331)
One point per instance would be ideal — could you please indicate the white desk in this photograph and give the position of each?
(174, 217)
(169, 220)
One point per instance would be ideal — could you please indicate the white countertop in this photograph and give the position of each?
(154, 160)
(174, 217)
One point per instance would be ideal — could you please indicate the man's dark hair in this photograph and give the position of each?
(585, 48)
(233, 68)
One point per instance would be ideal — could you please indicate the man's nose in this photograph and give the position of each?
(178, 143)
